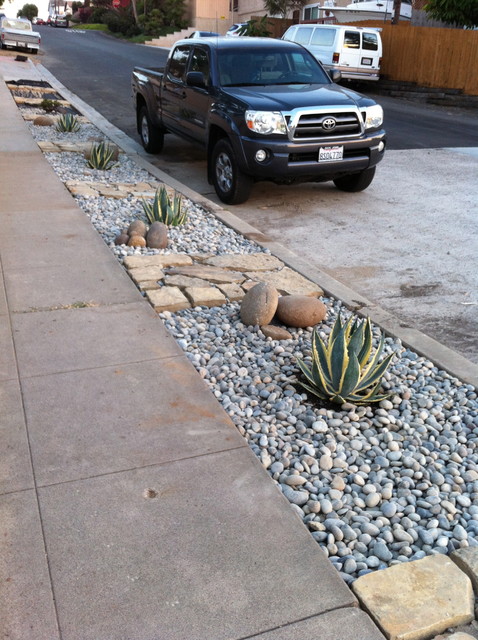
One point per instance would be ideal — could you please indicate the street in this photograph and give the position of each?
(408, 242)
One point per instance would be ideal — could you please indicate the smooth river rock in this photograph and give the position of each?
(259, 304)
(300, 311)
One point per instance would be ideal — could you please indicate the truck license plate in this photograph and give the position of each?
(330, 154)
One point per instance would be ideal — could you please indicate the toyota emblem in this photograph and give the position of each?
(328, 124)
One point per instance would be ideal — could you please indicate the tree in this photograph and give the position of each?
(28, 11)
(463, 13)
(282, 7)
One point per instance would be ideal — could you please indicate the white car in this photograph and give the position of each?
(236, 29)
(18, 32)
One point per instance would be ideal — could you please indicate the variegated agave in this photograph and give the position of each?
(67, 123)
(345, 370)
(102, 156)
(163, 210)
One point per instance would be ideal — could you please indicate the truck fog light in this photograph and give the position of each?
(381, 146)
(261, 155)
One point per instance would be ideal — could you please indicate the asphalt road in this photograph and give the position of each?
(408, 243)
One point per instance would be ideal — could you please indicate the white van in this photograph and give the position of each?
(356, 51)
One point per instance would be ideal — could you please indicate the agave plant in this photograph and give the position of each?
(163, 210)
(345, 370)
(102, 156)
(67, 123)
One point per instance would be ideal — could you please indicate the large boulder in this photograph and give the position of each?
(300, 311)
(157, 236)
(259, 304)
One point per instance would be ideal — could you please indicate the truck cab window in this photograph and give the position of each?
(178, 62)
(200, 62)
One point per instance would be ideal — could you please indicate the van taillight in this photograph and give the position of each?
(335, 57)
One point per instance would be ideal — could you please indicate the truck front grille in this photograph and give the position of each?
(324, 125)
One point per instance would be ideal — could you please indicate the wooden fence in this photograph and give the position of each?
(431, 57)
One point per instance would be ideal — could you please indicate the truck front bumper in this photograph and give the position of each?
(286, 161)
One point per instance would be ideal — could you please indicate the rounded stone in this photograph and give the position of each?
(137, 241)
(275, 333)
(138, 228)
(43, 121)
(259, 304)
(300, 311)
(122, 238)
(157, 236)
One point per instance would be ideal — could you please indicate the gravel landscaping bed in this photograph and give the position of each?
(375, 485)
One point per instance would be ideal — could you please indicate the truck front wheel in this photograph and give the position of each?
(355, 181)
(152, 138)
(231, 185)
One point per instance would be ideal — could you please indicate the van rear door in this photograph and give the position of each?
(360, 54)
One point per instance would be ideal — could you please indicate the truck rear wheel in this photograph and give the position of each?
(231, 185)
(152, 138)
(355, 181)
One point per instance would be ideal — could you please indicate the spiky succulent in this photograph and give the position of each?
(67, 123)
(102, 156)
(163, 210)
(344, 369)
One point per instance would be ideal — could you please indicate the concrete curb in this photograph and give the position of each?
(424, 345)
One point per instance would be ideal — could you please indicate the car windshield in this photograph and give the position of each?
(20, 25)
(249, 67)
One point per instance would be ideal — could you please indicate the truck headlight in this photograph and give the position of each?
(373, 117)
(266, 122)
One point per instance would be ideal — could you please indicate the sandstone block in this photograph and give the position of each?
(246, 262)
(287, 282)
(232, 291)
(146, 275)
(184, 281)
(168, 299)
(211, 274)
(111, 192)
(416, 600)
(300, 311)
(275, 333)
(176, 259)
(205, 296)
(467, 560)
(259, 304)
(157, 236)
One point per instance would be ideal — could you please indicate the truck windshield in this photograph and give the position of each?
(249, 67)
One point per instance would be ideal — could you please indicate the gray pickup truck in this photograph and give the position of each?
(263, 109)
(18, 32)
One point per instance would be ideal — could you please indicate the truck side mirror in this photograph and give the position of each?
(195, 79)
(335, 75)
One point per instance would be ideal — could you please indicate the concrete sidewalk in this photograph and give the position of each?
(130, 507)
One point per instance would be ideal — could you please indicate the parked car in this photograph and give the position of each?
(204, 34)
(263, 109)
(58, 21)
(16, 32)
(37, 20)
(236, 29)
(355, 51)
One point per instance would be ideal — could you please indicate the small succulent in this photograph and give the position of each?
(344, 370)
(102, 156)
(163, 210)
(49, 105)
(67, 123)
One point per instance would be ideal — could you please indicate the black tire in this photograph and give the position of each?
(231, 185)
(355, 181)
(152, 138)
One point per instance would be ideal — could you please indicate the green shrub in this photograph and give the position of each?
(163, 210)
(49, 105)
(121, 22)
(344, 370)
(102, 156)
(68, 123)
